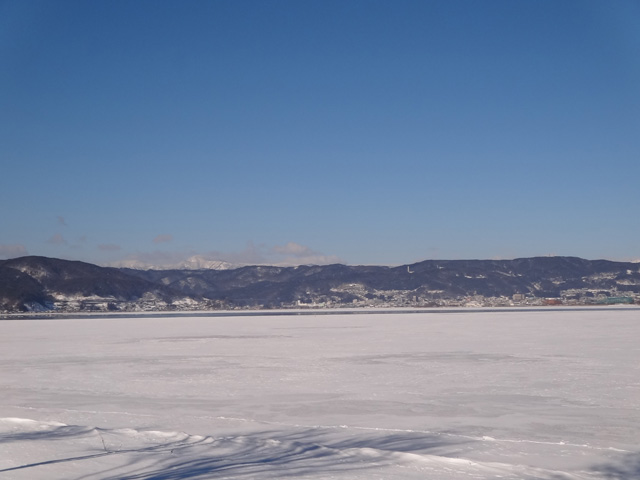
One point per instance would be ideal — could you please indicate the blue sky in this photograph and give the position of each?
(366, 132)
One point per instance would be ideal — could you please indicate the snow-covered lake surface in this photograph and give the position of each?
(476, 395)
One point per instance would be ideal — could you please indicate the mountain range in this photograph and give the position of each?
(32, 283)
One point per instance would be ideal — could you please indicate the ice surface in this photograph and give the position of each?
(513, 395)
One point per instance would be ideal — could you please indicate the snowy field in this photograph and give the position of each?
(476, 395)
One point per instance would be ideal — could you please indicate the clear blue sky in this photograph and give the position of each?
(367, 132)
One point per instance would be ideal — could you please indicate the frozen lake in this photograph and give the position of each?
(476, 395)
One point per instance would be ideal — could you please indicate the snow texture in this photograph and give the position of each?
(479, 395)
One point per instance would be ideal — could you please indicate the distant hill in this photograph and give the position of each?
(432, 282)
(40, 283)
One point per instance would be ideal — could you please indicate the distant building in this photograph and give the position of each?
(616, 301)
(552, 301)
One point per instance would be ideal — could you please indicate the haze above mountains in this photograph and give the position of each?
(41, 284)
(194, 262)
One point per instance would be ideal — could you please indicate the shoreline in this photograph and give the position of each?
(301, 312)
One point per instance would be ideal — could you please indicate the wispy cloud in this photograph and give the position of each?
(12, 251)
(252, 254)
(61, 221)
(57, 239)
(293, 249)
(109, 247)
(163, 238)
(294, 253)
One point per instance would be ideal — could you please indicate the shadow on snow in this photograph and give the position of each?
(627, 468)
(270, 454)
(277, 454)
